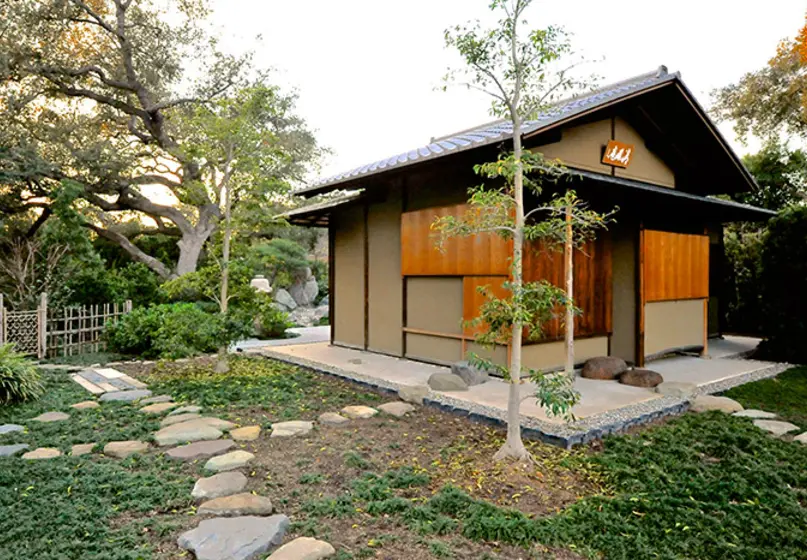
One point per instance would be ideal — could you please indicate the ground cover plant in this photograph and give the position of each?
(785, 395)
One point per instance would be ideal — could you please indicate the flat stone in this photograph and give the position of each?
(217, 423)
(200, 450)
(9, 450)
(293, 428)
(639, 377)
(604, 368)
(216, 486)
(84, 405)
(157, 400)
(705, 403)
(82, 449)
(42, 453)
(179, 419)
(303, 548)
(193, 409)
(158, 408)
(469, 373)
(235, 538)
(413, 393)
(397, 408)
(359, 411)
(247, 433)
(229, 461)
(51, 417)
(447, 382)
(122, 449)
(801, 438)
(186, 432)
(11, 428)
(126, 396)
(676, 389)
(237, 504)
(332, 419)
(776, 427)
(754, 413)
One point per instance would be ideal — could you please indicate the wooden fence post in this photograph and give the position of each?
(42, 349)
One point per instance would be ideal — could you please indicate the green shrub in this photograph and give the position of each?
(271, 322)
(280, 260)
(19, 379)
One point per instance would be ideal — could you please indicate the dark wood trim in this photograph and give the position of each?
(437, 334)
(404, 198)
(331, 277)
(613, 137)
(366, 275)
(640, 297)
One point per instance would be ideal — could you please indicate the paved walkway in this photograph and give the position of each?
(302, 335)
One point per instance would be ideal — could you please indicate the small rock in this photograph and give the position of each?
(303, 548)
(81, 449)
(126, 396)
(247, 433)
(754, 413)
(158, 408)
(776, 427)
(704, 403)
(413, 393)
(447, 382)
(51, 417)
(186, 432)
(332, 419)
(216, 486)
(237, 504)
(397, 408)
(42, 453)
(676, 389)
(11, 428)
(801, 438)
(179, 419)
(9, 450)
(471, 374)
(235, 538)
(604, 367)
(638, 377)
(200, 450)
(293, 428)
(122, 449)
(84, 405)
(229, 461)
(359, 411)
(157, 400)
(192, 409)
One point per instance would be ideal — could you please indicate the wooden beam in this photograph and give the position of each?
(640, 298)
(366, 275)
(331, 276)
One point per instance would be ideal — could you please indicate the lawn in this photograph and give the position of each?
(786, 395)
(700, 486)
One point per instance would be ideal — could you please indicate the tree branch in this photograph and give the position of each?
(154, 264)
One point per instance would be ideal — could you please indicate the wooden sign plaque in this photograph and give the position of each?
(618, 154)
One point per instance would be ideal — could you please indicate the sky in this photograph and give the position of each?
(368, 72)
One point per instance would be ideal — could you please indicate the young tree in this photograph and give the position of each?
(519, 71)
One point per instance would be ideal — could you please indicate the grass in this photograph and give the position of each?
(88, 359)
(786, 395)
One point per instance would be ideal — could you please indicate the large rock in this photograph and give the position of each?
(237, 504)
(126, 396)
(122, 449)
(471, 374)
(51, 417)
(303, 548)
(308, 316)
(200, 450)
(359, 412)
(413, 393)
(283, 297)
(235, 538)
(447, 382)
(229, 461)
(397, 408)
(186, 432)
(641, 378)
(305, 292)
(604, 367)
(776, 427)
(756, 414)
(11, 428)
(9, 450)
(216, 486)
(676, 389)
(293, 428)
(705, 403)
(42, 453)
(179, 419)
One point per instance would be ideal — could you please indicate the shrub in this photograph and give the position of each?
(744, 301)
(19, 379)
(280, 260)
(271, 322)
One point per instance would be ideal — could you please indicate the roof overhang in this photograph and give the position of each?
(318, 215)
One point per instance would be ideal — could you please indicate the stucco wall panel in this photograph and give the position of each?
(385, 299)
(433, 349)
(581, 146)
(549, 356)
(673, 324)
(434, 304)
(348, 294)
(645, 165)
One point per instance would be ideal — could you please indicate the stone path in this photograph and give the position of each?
(99, 381)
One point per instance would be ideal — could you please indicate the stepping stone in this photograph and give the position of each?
(81, 449)
(158, 408)
(51, 417)
(109, 373)
(303, 548)
(11, 428)
(229, 461)
(801, 438)
(217, 423)
(185, 409)
(359, 411)
(88, 385)
(157, 400)
(126, 396)
(200, 450)
(676, 389)
(9, 450)
(247, 433)
(235, 538)
(122, 449)
(293, 428)
(216, 486)
(776, 427)
(237, 504)
(186, 432)
(447, 382)
(397, 408)
(179, 419)
(42, 453)
(84, 405)
(704, 403)
(413, 393)
(332, 419)
(754, 413)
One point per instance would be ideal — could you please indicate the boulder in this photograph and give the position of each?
(293, 428)
(308, 316)
(776, 427)
(122, 449)
(81, 449)
(676, 389)
(303, 548)
(200, 450)
(332, 419)
(705, 403)
(604, 367)
(11, 428)
(413, 393)
(359, 411)
(471, 374)
(42, 453)
(397, 408)
(9, 450)
(51, 417)
(305, 292)
(235, 538)
(283, 297)
(229, 461)
(237, 504)
(638, 377)
(179, 419)
(447, 382)
(247, 433)
(325, 302)
(216, 486)
(158, 408)
(84, 405)
(126, 396)
(754, 413)
(186, 432)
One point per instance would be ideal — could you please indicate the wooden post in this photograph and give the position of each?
(2, 320)
(42, 346)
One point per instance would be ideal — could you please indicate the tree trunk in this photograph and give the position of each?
(569, 253)
(221, 365)
(190, 249)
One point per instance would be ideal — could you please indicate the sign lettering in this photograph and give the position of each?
(618, 154)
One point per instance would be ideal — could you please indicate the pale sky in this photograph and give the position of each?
(366, 70)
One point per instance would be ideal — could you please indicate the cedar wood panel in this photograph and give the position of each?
(676, 266)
